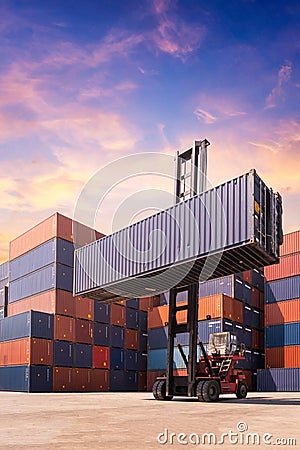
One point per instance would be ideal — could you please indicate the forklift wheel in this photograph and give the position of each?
(199, 390)
(159, 390)
(210, 391)
(242, 390)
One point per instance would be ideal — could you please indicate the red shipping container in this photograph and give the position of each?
(101, 357)
(26, 351)
(65, 304)
(81, 379)
(131, 339)
(64, 328)
(62, 379)
(255, 298)
(257, 339)
(151, 377)
(291, 243)
(56, 225)
(247, 276)
(99, 380)
(83, 331)
(84, 308)
(117, 315)
(288, 266)
(282, 312)
(288, 356)
(142, 381)
(148, 303)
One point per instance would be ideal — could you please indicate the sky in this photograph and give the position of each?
(84, 83)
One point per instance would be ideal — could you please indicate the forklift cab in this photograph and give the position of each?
(222, 344)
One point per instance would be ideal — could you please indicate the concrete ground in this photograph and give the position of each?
(134, 421)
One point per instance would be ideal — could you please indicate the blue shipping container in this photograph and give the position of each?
(157, 359)
(56, 250)
(143, 320)
(281, 380)
(27, 324)
(101, 312)
(82, 355)
(131, 360)
(54, 276)
(132, 318)
(121, 380)
(101, 334)
(258, 279)
(247, 293)
(142, 361)
(283, 334)
(26, 378)
(283, 289)
(4, 270)
(4, 282)
(117, 359)
(158, 338)
(117, 336)
(143, 342)
(133, 303)
(63, 353)
(248, 316)
(131, 380)
(223, 285)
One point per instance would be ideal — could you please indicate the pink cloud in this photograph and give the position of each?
(205, 116)
(284, 75)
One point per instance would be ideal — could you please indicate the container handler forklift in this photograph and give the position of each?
(213, 374)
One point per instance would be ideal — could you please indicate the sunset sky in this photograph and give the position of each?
(83, 83)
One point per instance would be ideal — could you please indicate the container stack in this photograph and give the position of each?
(52, 341)
(232, 303)
(282, 320)
(4, 272)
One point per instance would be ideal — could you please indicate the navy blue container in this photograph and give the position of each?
(247, 363)
(238, 289)
(132, 319)
(56, 250)
(238, 329)
(143, 320)
(4, 282)
(131, 360)
(143, 342)
(117, 336)
(142, 361)
(82, 355)
(206, 327)
(54, 276)
(101, 312)
(131, 381)
(26, 378)
(247, 293)
(63, 353)
(117, 381)
(283, 334)
(256, 319)
(281, 380)
(133, 303)
(101, 334)
(248, 337)
(283, 289)
(258, 279)
(223, 285)
(117, 359)
(4, 270)
(27, 324)
(158, 338)
(248, 316)
(258, 360)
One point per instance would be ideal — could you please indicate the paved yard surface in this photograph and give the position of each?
(134, 421)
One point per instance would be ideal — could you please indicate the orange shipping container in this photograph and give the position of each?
(221, 306)
(26, 351)
(291, 243)
(117, 315)
(64, 328)
(282, 312)
(84, 308)
(62, 379)
(288, 356)
(56, 225)
(288, 266)
(54, 301)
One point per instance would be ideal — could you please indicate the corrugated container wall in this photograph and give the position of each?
(243, 240)
(284, 289)
(282, 380)
(282, 312)
(288, 266)
(4, 270)
(291, 243)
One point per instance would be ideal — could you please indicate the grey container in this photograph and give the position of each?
(4, 270)
(56, 276)
(282, 380)
(55, 250)
(228, 229)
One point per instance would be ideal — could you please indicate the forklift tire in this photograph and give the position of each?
(159, 391)
(199, 390)
(210, 391)
(242, 390)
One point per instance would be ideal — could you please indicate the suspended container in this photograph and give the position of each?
(228, 229)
